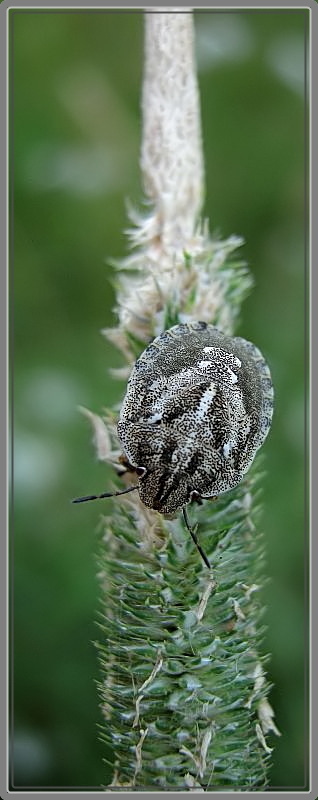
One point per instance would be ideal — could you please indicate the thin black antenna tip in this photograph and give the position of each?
(84, 499)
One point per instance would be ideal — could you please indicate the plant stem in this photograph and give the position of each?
(184, 690)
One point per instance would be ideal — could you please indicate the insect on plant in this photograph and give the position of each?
(198, 406)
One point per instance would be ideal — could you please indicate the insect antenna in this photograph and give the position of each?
(104, 494)
(194, 537)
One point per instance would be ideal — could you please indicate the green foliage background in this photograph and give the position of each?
(75, 133)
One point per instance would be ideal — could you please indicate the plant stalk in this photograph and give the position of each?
(184, 687)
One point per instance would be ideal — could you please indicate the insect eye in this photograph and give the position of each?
(140, 471)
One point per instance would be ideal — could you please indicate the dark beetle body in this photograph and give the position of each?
(198, 406)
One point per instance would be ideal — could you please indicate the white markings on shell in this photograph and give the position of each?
(156, 417)
(227, 447)
(233, 376)
(205, 402)
(204, 364)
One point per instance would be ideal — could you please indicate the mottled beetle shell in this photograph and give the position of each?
(198, 406)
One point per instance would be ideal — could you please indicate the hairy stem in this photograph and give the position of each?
(184, 688)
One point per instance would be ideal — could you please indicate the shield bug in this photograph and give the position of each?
(198, 406)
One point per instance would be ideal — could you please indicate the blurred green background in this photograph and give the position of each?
(75, 133)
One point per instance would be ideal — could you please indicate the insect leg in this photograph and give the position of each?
(194, 537)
